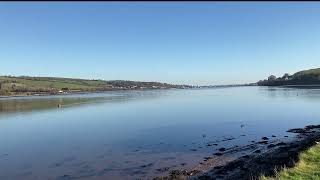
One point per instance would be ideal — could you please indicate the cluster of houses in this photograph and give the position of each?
(119, 87)
(274, 81)
(64, 90)
(132, 87)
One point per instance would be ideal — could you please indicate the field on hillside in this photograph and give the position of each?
(12, 85)
(15, 83)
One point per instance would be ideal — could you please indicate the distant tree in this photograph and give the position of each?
(286, 76)
(272, 78)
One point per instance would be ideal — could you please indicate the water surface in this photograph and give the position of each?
(140, 134)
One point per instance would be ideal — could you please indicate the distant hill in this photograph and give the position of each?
(306, 77)
(311, 72)
(10, 85)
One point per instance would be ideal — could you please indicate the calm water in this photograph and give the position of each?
(127, 135)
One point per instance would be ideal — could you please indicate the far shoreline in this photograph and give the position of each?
(81, 92)
(31, 94)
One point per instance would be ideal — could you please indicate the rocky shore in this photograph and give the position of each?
(264, 158)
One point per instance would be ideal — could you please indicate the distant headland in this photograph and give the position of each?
(309, 77)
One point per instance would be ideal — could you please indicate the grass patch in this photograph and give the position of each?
(48, 83)
(308, 167)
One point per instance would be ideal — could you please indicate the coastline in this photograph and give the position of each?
(28, 94)
(262, 161)
(80, 92)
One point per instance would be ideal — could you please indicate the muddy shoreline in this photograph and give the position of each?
(78, 92)
(264, 158)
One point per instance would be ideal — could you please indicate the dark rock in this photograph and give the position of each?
(294, 146)
(245, 156)
(271, 146)
(146, 165)
(263, 142)
(273, 136)
(285, 148)
(243, 168)
(265, 138)
(222, 149)
(312, 127)
(257, 151)
(297, 130)
(281, 144)
(218, 154)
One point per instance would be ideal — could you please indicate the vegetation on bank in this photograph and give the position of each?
(308, 167)
(10, 85)
(306, 77)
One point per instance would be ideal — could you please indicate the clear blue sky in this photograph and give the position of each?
(180, 42)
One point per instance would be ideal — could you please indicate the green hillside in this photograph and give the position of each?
(10, 85)
(310, 72)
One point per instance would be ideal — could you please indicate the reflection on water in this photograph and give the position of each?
(36, 103)
(304, 93)
(141, 134)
